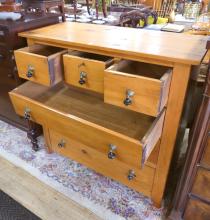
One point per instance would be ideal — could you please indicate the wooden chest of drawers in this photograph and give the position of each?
(117, 110)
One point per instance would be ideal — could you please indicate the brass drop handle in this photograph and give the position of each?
(111, 153)
(62, 144)
(30, 71)
(129, 95)
(27, 114)
(83, 78)
(131, 174)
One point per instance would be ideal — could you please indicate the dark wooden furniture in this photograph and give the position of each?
(192, 197)
(10, 41)
(9, 5)
(44, 5)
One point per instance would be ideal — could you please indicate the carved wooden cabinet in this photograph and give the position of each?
(108, 99)
(192, 197)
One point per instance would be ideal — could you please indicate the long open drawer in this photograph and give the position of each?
(84, 117)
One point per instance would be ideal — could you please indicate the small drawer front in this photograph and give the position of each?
(131, 90)
(201, 185)
(41, 64)
(86, 70)
(140, 180)
(197, 210)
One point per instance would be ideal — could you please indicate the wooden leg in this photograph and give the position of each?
(104, 9)
(61, 8)
(179, 83)
(96, 6)
(75, 9)
(31, 133)
(88, 6)
(34, 130)
(47, 139)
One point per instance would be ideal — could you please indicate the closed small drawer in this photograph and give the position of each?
(118, 134)
(41, 64)
(141, 180)
(86, 70)
(201, 185)
(137, 86)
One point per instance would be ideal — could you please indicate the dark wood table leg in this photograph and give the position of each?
(104, 9)
(96, 6)
(61, 8)
(88, 6)
(33, 131)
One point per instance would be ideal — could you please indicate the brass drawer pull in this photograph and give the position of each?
(83, 78)
(62, 144)
(30, 72)
(111, 153)
(131, 174)
(129, 95)
(27, 114)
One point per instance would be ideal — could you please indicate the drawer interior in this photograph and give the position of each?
(88, 107)
(139, 68)
(90, 56)
(42, 50)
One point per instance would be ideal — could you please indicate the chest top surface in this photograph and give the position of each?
(123, 42)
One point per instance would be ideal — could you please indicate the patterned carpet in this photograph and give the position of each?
(11, 210)
(103, 196)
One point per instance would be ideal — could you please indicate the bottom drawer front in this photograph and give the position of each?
(140, 180)
(197, 210)
(206, 156)
(201, 185)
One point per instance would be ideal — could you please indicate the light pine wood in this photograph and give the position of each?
(92, 65)
(46, 61)
(151, 138)
(39, 198)
(89, 120)
(177, 93)
(47, 138)
(150, 83)
(163, 47)
(112, 168)
(179, 51)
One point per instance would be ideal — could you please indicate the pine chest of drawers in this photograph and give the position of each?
(105, 101)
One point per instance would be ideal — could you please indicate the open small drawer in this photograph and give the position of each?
(119, 134)
(137, 86)
(41, 64)
(86, 70)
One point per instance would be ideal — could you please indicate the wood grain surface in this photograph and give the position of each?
(41, 199)
(89, 120)
(123, 42)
